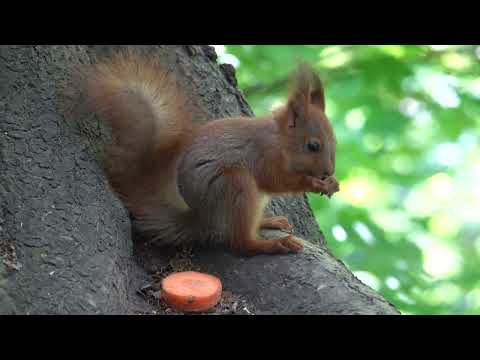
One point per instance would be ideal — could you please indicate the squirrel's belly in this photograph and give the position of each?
(264, 200)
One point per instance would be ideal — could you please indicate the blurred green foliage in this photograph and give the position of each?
(407, 121)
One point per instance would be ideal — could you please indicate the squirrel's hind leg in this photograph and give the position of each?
(241, 203)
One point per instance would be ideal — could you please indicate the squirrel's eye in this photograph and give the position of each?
(313, 145)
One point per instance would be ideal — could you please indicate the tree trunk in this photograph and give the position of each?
(66, 240)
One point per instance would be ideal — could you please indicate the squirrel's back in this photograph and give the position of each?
(219, 145)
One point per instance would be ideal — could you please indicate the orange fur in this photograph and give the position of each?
(224, 168)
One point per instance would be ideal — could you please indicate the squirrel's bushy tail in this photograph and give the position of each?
(171, 226)
(149, 118)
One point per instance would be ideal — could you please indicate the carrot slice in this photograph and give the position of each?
(191, 291)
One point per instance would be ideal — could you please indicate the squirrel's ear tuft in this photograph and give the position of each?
(317, 96)
(307, 90)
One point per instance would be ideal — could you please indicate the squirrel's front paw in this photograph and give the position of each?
(317, 185)
(327, 186)
(332, 186)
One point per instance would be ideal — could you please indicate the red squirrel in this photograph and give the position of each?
(187, 183)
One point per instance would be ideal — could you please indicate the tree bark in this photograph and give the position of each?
(65, 239)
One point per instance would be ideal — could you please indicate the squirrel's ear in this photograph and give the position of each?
(297, 110)
(307, 89)
(299, 99)
(317, 96)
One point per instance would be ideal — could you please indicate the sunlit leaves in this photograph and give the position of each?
(407, 121)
